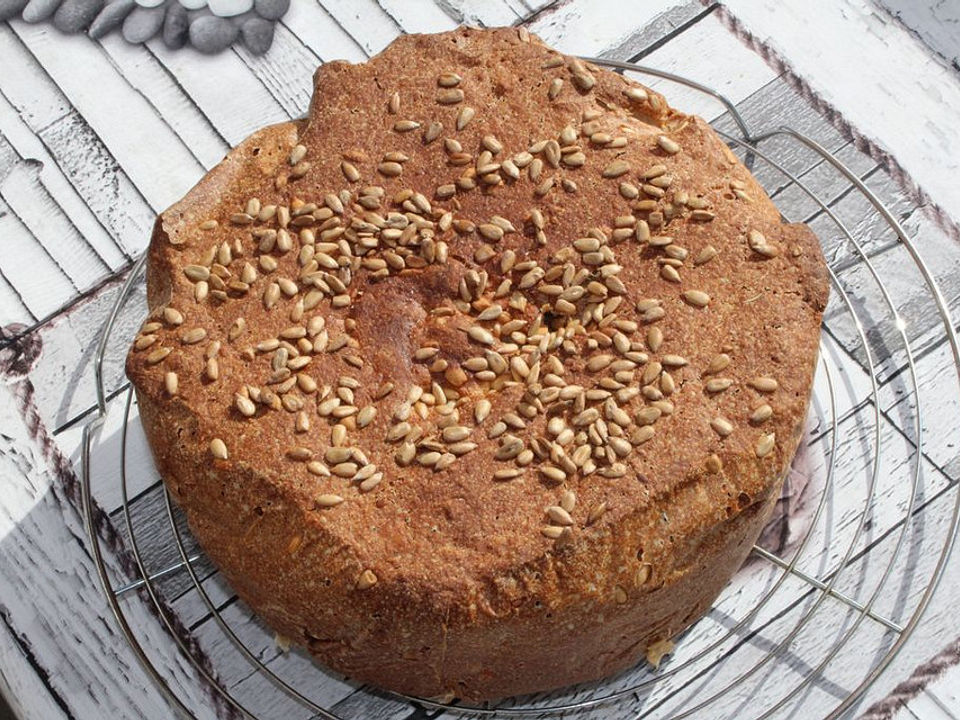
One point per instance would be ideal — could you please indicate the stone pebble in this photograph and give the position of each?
(229, 8)
(110, 18)
(209, 25)
(40, 10)
(211, 34)
(142, 24)
(74, 16)
(176, 27)
(9, 8)
(257, 35)
(271, 9)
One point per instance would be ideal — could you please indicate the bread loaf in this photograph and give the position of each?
(482, 378)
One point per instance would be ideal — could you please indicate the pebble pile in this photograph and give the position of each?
(209, 26)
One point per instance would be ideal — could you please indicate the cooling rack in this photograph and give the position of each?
(809, 622)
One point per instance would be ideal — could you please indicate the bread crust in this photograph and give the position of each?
(469, 598)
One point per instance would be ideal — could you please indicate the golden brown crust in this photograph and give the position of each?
(450, 570)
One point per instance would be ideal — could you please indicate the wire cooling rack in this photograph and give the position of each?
(808, 624)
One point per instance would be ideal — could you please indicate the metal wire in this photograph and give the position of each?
(700, 664)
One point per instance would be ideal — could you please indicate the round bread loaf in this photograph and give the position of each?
(481, 379)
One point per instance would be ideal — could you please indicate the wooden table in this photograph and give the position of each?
(97, 137)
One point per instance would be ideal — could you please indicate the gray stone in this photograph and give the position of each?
(9, 8)
(211, 34)
(176, 26)
(142, 24)
(75, 15)
(272, 9)
(257, 35)
(110, 18)
(40, 10)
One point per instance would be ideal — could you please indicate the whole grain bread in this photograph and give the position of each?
(481, 379)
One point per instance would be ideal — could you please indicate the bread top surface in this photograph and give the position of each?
(395, 292)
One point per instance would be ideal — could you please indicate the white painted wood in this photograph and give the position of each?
(29, 260)
(24, 691)
(582, 27)
(86, 77)
(40, 123)
(22, 144)
(419, 18)
(369, 24)
(50, 227)
(896, 91)
(936, 23)
(320, 31)
(145, 75)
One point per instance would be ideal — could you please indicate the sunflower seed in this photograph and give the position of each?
(705, 255)
(721, 426)
(616, 169)
(654, 338)
(559, 516)
(481, 410)
(218, 449)
(647, 415)
(716, 385)
(464, 116)
(765, 444)
(328, 500)
(390, 169)
(668, 272)
(366, 416)
(554, 474)
(667, 145)
(450, 96)
(350, 171)
(366, 580)
(697, 298)
(764, 384)
(480, 335)
(761, 414)
(193, 336)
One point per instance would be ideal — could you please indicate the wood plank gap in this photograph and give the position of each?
(33, 237)
(682, 27)
(37, 323)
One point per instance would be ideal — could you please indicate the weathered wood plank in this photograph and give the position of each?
(910, 296)
(13, 310)
(937, 393)
(26, 692)
(583, 27)
(286, 71)
(484, 13)
(28, 260)
(227, 94)
(369, 24)
(83, 658)
(145, 75)
(937, 24)
(693, 54)
(320, 31)
(19, 143)
(40, 214)
(44, 126)
(85, 75)
(427, 17)
(895, 84)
